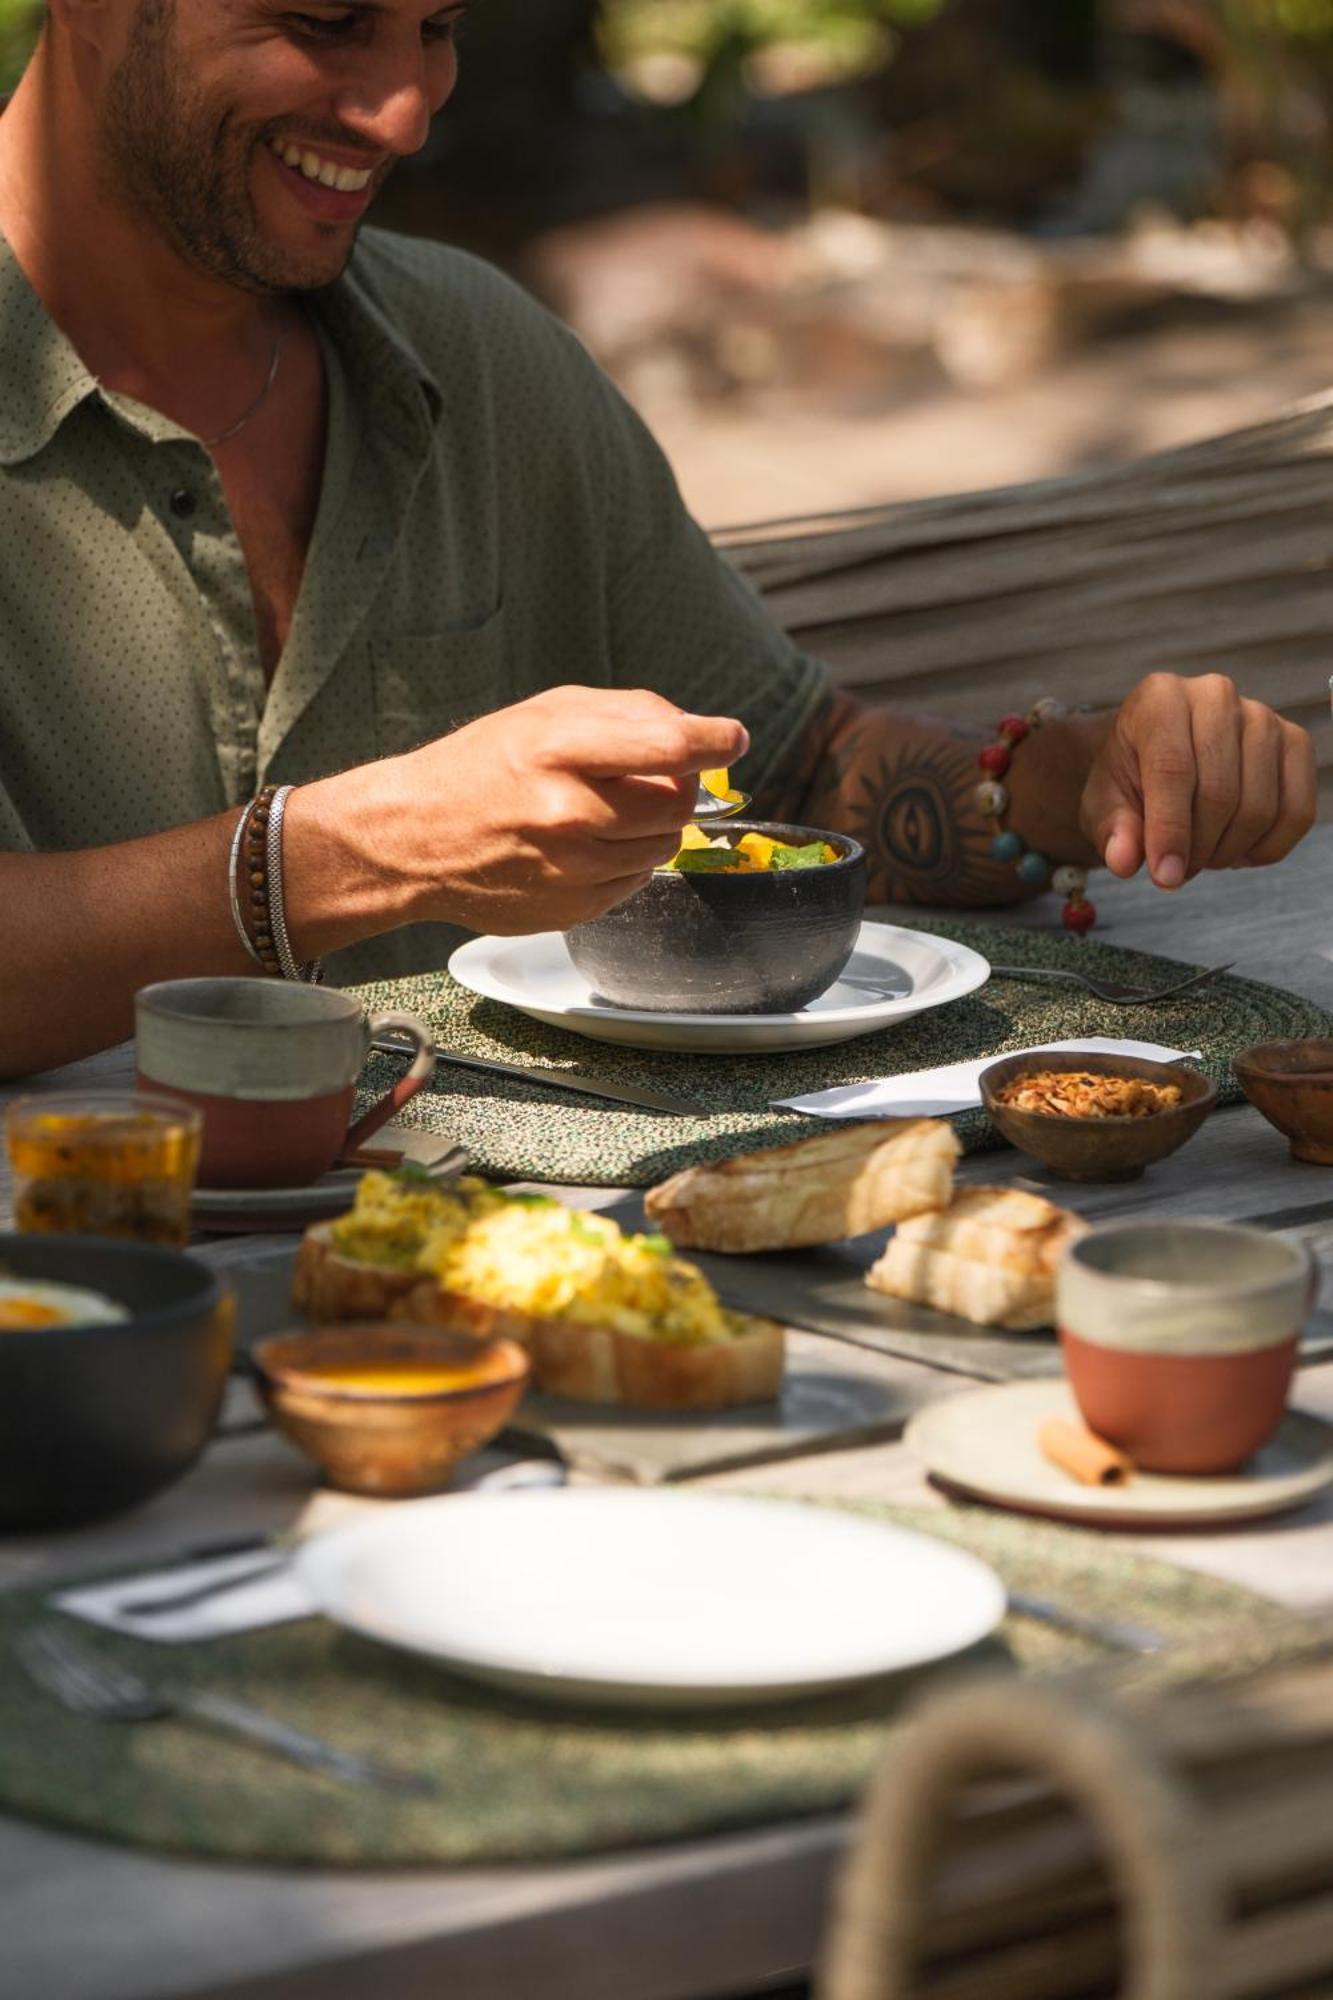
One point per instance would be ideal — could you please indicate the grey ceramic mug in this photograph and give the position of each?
(272, 1066)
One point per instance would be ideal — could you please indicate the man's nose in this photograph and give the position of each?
(390, 103)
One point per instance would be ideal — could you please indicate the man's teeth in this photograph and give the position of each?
(346, 180)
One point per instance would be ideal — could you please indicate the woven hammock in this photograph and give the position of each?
(1215, 556)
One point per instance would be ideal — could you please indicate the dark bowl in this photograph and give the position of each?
(1292, 1084)
(761, 943)
(1098, 1149)
(96, 1418)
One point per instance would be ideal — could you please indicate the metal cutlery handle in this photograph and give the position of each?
(558, 1079)
(199, 1593)
(1127, 1637)
(237, 1718)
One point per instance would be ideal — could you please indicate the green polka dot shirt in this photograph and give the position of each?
(493, 520)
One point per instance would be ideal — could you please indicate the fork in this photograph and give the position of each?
(91, 1685)
(1109, 989)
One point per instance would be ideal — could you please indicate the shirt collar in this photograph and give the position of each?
(394, 385)
(43, 378)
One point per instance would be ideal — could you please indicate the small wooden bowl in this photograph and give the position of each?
(1291, 1083)
(382, 1441)
(1097, 1149)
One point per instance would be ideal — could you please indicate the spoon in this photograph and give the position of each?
(709, 806)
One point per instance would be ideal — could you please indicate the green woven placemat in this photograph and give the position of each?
(519, 1782)
(518, 1133)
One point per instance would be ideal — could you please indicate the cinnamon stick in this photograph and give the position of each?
(1082, 1454)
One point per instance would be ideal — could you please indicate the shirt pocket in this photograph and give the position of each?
(427, 683)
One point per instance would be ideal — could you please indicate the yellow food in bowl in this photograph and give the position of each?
(27, 1304)
(751, 854)
(530, 1254)
(371, 1379)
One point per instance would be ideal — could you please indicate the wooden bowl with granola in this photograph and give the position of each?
(1095, 1117)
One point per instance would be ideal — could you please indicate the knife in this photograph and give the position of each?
(559, 1079)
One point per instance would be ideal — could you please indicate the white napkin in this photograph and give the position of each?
(938, 1093)
(271, 1598)
(267, 1591)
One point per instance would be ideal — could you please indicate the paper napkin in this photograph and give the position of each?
(266, 1592)
(262, 1584)
(938, 1093)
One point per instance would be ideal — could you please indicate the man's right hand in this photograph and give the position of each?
(545, 814)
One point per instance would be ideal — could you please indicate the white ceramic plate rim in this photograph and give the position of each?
(328, 1566)
(482, 965)
(1150, 1499)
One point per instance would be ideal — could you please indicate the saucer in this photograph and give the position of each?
(891, 975)
(257, 1209)
(984, 1444)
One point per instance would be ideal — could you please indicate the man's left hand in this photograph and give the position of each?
(1192, 775)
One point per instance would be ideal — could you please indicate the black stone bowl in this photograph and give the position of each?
(96, 1418)
(757, 943)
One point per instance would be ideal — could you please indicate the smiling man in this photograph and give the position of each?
(287, 502)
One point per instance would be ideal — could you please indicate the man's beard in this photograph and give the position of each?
(186, 166)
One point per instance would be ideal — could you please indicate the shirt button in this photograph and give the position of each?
(183, 503)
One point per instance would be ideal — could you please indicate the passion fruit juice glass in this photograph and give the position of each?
(103, 1163)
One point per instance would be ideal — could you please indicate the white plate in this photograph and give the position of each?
(984, 1443)
(663, 1599)
(892, 974)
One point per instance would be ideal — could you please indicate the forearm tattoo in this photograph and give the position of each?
(903, 786)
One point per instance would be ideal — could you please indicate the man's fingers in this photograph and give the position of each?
(635, 808)
(1298, 783)
(1259, 805)
(1122, 842)
(1164, 746)
(597, 735)
(631, 856)
(1217, 724)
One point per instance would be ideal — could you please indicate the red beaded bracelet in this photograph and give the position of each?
(992, 802)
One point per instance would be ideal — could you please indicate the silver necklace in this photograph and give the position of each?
(210, 444)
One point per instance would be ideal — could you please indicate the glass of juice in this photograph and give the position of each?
(103, 1163)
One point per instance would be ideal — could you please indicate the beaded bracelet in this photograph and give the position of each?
(261, 924)
(992, 802)
(256, 878)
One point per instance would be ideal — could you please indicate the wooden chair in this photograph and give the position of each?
(1217, 556)
(1030, 1842)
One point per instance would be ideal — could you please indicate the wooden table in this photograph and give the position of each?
(694, 1921)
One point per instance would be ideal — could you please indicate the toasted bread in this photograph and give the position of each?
(327, 1286)
(593, 1364)
(584, 1363)
(841, 1183)
(990, 1257)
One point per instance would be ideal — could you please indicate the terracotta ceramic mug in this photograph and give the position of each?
(1180, 1338)
(273, 1067)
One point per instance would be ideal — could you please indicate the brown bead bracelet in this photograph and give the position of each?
(254, 861)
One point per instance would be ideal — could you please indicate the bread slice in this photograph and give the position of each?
(841, 1183)
(596, 1364)
(327, 1286)
(990, 1257)
(584, 1363)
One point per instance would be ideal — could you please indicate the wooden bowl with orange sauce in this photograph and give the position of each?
(389, 1410)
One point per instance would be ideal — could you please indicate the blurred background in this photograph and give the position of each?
(842, 252)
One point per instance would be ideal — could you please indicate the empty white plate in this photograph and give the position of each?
(892, 974)
(651, 1599)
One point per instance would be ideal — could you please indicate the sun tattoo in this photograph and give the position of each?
(911, 808)
(905, 790)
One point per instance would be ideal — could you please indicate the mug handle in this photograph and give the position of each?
(423, 1068)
